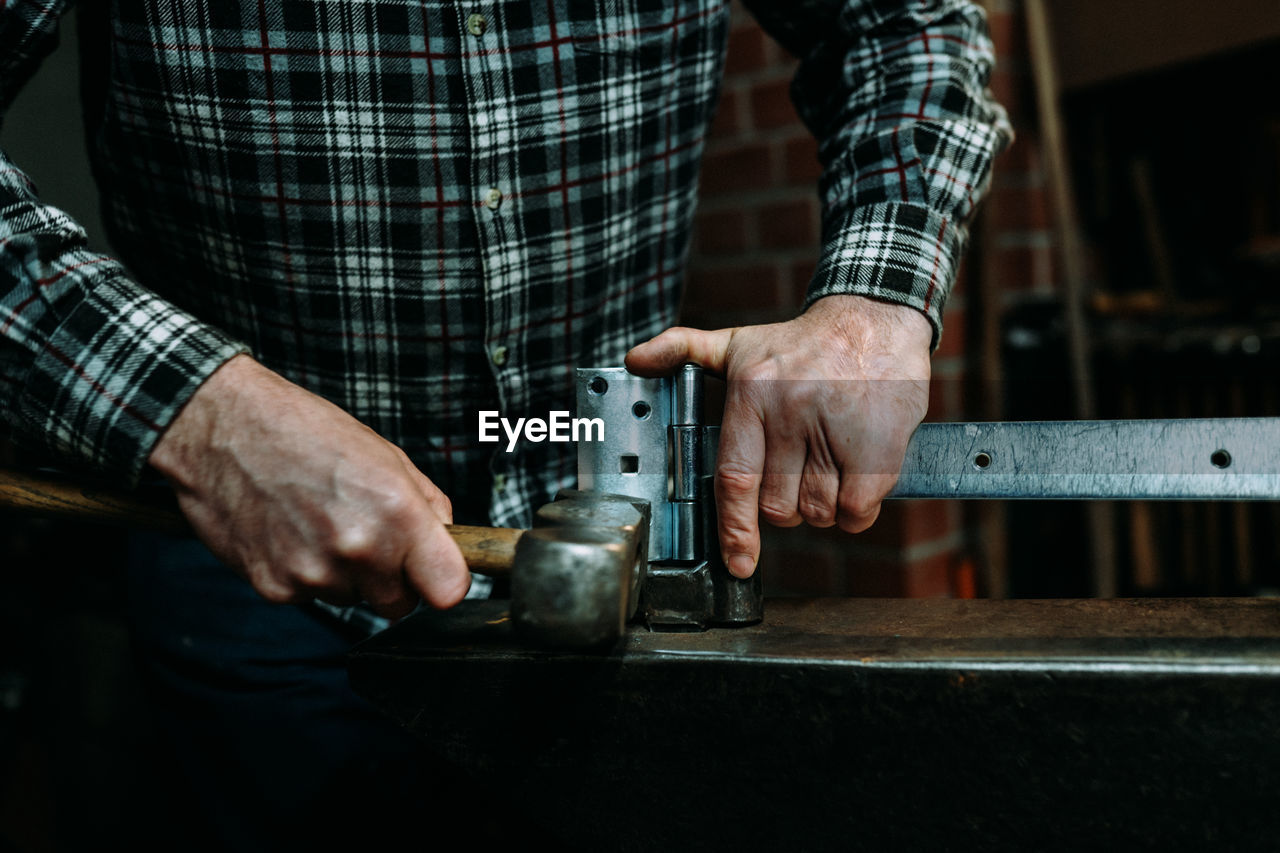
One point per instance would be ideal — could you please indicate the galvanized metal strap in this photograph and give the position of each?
(1191, 459)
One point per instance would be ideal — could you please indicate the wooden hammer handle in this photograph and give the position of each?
(487, 550)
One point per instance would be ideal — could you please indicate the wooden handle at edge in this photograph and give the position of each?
(487, 550)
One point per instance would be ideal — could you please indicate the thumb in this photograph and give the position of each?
(663, 354)
(434, 564)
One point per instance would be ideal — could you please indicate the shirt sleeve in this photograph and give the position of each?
(93, 366)
(896, 94)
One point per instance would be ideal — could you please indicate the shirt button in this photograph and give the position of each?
(476, 24)
(493, 199)
(499, 356)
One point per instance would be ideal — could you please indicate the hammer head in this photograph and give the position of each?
(577, 574)
(576, 508)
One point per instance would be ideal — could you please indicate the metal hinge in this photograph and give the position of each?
(657, 448)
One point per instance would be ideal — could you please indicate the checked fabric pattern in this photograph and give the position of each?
(423, 208)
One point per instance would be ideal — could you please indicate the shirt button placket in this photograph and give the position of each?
(478, 25)
(489, 107)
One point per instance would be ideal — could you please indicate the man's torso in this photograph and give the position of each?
(416, 209)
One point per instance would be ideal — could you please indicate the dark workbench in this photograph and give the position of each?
(857, 723)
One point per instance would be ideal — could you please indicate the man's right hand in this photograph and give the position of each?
(304, 500)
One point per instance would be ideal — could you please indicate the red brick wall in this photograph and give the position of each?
(756, 238)
(1018, 235)
(754, 250)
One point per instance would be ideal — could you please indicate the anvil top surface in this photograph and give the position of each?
(897, 724)
(1155, 633)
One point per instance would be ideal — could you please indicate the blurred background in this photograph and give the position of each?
(1143, 188)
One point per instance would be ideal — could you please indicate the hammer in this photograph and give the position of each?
(575, 577)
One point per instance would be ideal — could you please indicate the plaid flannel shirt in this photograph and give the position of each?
(423, 208)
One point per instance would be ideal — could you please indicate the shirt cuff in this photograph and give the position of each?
(903, 253)
(115, 373)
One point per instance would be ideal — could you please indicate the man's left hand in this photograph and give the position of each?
(817, 418)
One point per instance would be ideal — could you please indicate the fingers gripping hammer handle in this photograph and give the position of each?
(487, 550)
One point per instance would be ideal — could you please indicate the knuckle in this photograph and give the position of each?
(777, 510)
(856, 525)
(734, 480)
(310, 576)
(859, 513)
(735, 537)
(804, 395)
(263, 577)
(859, 505)
(440, 505)
(396, 502)
(817, 512)
(256, 569)
(356, 542)
(677, 338)
(276, 593)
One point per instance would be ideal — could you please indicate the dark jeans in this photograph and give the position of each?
(271, 748)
